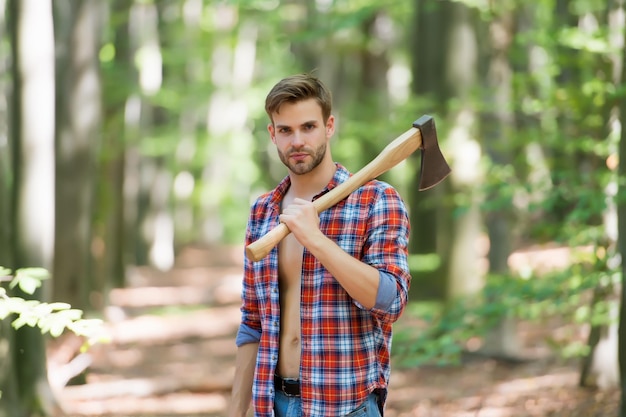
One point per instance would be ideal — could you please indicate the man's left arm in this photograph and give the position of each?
(380, 281)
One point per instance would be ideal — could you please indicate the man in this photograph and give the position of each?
(317, 312)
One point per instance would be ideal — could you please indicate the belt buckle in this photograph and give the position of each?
(283, 387)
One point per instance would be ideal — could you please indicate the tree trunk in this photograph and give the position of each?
(427, 65)
(9, 404)
(33, 147)
(111, 249)
(622, 249)
(464, 275)
(497, 125)
(621, 221)
(600, 367)
(5, 150)
(141, 170)
(78, 121)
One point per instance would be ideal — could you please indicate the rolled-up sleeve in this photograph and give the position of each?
(387, 250)
(246, 334)
(250, 327)
(387, 291)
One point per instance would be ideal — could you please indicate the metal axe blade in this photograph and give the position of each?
(434, 167)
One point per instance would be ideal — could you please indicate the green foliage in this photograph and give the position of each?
(51, 318)
(28, 279)
(424, 262)
(444, 331)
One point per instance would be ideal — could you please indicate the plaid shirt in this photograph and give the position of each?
(345, 347)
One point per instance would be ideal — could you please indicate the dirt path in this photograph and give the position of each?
(172, 354)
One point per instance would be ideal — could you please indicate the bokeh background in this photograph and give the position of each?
(133, 141)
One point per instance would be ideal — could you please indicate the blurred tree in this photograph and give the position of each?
(428, 217)
(496, 126)
(5, 151)
(111, 243)
(600, 366)
(621, 212)
(32, 135)
(569, 94)
(621, 218)
(78, 26)
(9, 405)
(460, 81)
(445, 73)
(8, 386)
(142, 170)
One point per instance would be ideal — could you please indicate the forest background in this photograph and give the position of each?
(132, 129)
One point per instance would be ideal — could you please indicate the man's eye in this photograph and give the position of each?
(309, 127)
(284, 130)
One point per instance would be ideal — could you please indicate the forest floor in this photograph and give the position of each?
(171, 354)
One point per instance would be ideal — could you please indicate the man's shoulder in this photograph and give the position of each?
(372, 185)
(264, 198)
(262, 203)
(272, 196)
(381, 194)
(379, 186)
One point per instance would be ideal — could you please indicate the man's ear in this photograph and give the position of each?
(330, 126)
(270, 128)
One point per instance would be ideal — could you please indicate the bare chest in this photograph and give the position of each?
(289, 264)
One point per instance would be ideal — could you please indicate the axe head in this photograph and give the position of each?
(434, 166)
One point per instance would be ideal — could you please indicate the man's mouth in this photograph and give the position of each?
(298, 156)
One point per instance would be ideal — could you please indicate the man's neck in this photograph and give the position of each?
(309, 185)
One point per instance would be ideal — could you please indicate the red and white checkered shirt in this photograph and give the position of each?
(345, 347)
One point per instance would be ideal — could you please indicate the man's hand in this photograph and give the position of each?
(357, 278)
(302, 219)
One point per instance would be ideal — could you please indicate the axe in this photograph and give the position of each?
(434, 169)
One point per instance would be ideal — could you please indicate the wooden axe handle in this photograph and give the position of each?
(394, 153)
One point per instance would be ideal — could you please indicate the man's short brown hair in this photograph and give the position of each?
(297, 88)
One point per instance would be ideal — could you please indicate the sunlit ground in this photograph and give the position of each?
(172, 354)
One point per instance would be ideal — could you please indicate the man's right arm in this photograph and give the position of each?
(245, 363)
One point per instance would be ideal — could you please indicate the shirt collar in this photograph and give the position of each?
(341, 175)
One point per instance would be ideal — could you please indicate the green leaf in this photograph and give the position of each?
(55, 324)
(19, 322)
(57, 329)
(27, 284)
(40, 274)
(59, 306)
(29, 279)
(12, 305)
(70, 315)
(42, 310)
(86, 327)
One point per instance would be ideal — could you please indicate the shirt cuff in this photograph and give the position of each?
(247, 334)
(387, 291)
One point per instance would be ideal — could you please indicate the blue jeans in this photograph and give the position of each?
(285, 406)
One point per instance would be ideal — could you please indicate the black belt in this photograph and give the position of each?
(288, 386)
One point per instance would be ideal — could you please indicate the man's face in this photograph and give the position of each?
(300, 135)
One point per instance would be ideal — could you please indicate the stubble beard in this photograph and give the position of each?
(303, 167)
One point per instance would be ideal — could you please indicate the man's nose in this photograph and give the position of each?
(297, 138)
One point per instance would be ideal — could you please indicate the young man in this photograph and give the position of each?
(317, 312)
